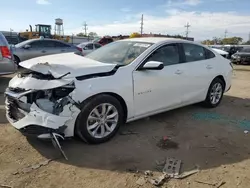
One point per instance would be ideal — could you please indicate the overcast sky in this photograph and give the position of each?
(208, 18)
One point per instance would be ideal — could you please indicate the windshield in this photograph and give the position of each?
(245, 50)
(21, 44)
(120, 52)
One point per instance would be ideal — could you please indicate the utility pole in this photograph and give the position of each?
(141, 24)
(187, 30)
(85, 28)
(225, 36)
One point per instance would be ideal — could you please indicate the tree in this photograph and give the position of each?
(93, 35)
(232, 40)
(247, 43)
(81, 35)
(207, 42)
(135, 35)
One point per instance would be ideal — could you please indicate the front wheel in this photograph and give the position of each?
(215, 93)
(99, 119)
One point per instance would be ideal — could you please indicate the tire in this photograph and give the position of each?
(16, 60)
(209, 101)
(83, 122)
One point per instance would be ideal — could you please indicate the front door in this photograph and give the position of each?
(156, 90)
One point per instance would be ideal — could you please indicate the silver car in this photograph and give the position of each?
(7, 65)
(88, 47)
(40, 47)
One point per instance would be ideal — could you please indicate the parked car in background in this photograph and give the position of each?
(41, 47)
(7, 65)
(221, 52)
(104, 40)
(242, 56)
(88, 47)
(123, 81)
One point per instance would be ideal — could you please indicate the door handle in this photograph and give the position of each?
(43, 51)
(209, 67)
(62, 50)
(178, 72)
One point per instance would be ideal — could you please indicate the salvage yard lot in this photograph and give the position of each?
(212, 139)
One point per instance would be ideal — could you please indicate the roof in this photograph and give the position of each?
(154, 39)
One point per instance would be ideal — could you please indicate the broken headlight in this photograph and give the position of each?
(61, 92)
(54, 100)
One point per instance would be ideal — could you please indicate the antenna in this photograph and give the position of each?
(85, 28)
(141, 24)
(225, 36)
(187, 31)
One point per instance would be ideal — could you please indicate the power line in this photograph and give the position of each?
(85, 28)
(141, 24)
(187, 30)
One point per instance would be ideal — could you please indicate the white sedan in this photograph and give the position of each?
(92, 96)
(88, 47)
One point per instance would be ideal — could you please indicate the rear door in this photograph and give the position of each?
(198, 71)
(63, 47)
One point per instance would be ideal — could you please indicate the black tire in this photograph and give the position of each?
(208, 103)
(81, 122)
(16, 60)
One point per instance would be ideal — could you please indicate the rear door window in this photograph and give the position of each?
(97, 46)
(209, 54)
(37, 44)
(62, 45)
(89, 47)
(193, 52)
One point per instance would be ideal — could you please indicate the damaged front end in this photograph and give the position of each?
(39, 105)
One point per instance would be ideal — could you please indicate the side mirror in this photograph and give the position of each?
(27, 46)
(153, 65)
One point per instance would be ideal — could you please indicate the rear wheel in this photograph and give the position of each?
(99, 119)
(215, 93)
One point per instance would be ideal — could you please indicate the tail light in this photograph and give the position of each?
(5, 52)
(78, 48)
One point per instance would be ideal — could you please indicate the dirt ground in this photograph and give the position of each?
(212, 139)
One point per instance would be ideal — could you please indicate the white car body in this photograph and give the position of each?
(144, 93)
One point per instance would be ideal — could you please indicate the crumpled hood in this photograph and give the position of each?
(61, 64)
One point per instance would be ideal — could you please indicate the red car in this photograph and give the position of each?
(104, 40)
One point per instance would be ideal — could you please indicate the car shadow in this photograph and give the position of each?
(206, 137)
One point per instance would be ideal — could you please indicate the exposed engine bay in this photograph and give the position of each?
(48, 113)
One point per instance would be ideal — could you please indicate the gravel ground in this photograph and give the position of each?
(212, 139)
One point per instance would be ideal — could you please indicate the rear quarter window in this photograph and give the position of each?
(209, 54)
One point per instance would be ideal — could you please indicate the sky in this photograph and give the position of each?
(208, 18)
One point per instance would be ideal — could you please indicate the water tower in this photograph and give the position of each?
(59, 27)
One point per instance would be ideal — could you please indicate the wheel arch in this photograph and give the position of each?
(115, 95)
(222, 78)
